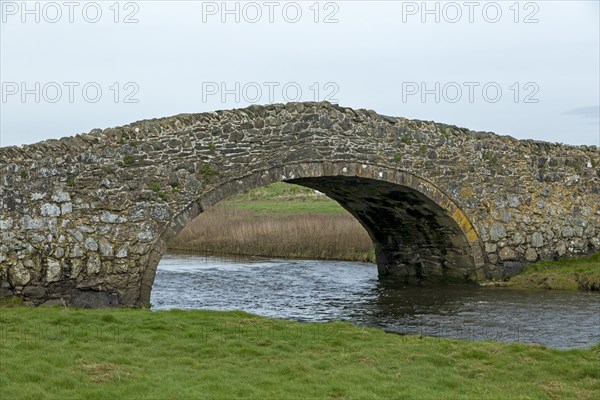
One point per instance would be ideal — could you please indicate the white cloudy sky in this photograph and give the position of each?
(543, 56)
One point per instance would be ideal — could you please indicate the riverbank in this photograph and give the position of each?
(278, 221)
(63, 353)
(568, 274)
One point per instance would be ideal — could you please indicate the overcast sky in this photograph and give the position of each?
(529, 70)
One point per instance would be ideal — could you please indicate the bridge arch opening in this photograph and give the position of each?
(417, 231)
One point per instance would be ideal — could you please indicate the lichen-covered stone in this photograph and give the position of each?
(93, 265)
(122, 253)
(567, 232)
(106, 249)
(518, 238)
(6, 224)
(497, 232)
(50, 210)
(29, 223)
(145, 235)
(66, 208)
(19, 275)
(531, 255)
(111, 218)
(53, 270)
(91, 244)
(507, 254)
(537, 239)
(61, 197)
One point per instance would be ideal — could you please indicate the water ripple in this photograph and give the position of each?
(338, 290)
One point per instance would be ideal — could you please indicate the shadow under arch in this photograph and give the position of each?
(418, 231)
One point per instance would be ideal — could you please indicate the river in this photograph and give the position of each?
(319, 291)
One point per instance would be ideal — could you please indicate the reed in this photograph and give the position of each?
(229, 230)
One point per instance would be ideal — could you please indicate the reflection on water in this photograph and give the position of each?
(337, 290)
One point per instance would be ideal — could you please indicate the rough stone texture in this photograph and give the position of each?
(531, 255)
(85, 219)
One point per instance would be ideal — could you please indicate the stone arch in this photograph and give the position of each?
(82, 218)
(394, 205)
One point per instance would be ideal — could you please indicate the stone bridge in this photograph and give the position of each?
(86, 219)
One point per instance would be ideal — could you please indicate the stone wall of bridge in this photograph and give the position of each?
(85, 219)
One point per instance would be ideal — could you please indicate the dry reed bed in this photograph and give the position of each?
(223, 230)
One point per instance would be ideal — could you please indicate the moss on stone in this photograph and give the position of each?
(129, 159)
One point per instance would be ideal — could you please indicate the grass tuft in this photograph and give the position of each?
(567, 274)
(102, 373)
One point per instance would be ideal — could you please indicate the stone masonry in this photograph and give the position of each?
(85, 220)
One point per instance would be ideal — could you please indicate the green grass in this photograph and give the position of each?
(129, 159)
(279, 200)
(54, 353)
(567, 274)
(275, 191)
(282, 208)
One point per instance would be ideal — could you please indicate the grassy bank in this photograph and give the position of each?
(278, 220)
(567, 274)
(54, 353)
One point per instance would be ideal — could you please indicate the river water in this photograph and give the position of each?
(321, 291)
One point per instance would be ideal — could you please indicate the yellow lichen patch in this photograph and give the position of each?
(447, 205)
(465, 225)
(522, 165)
(457, 215)
(466, 192)
(472, 236)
